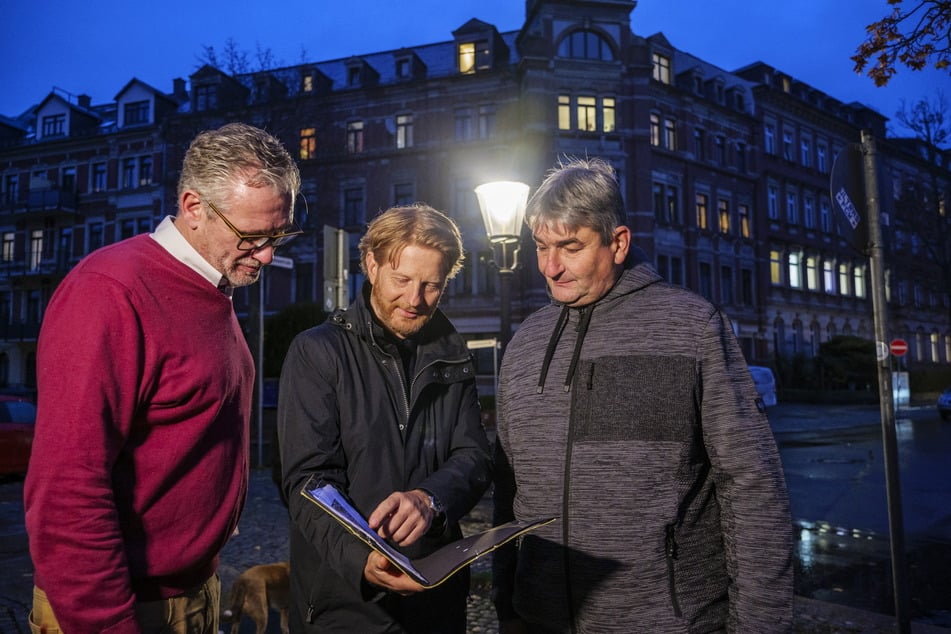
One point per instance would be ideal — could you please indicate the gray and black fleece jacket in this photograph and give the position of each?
(635, 421)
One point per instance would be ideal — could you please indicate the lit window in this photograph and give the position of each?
(775, 268)
(587, 114)
(723, 213)
(564, 112)
(467, 57)
(307, 85)
(661, 70)
(607, 114)
(843, 278)
(828, 277)
(795, 274)
(8, 247)
(702, 211)
(743, 211)
(858, 280)
(308, 143)
(812, 273)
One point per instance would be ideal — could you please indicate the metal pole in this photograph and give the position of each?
(259, 370)
(889, 440)
(505, 308)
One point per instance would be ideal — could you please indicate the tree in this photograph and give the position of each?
(237, 61)
(922, 216)
(911, 35)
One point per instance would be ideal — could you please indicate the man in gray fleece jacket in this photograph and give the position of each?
(626, 409)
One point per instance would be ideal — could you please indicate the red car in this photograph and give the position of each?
(17, 419)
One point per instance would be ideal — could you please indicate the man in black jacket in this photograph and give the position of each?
(380, 401)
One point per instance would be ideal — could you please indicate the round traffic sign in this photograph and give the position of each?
(898, 347)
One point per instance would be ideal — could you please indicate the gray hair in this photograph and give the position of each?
(217, 160)
(578, 193)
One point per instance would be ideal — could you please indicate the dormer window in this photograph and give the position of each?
(307, 83)
(54, 125)
(585, 44)
(474, 56)
(136, 113)
(353, 76)
(403, 68)
(661, 64)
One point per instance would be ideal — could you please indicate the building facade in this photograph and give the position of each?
(726, 175)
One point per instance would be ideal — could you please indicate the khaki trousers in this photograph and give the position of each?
(195, 612)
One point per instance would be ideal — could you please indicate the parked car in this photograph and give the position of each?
(765, 384)
(944, 404)
(17, 421)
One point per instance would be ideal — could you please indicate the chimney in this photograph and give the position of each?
(178, 90)
(84, 101)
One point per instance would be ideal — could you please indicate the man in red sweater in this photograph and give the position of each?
(139, 468)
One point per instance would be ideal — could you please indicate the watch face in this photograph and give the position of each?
(435, 504)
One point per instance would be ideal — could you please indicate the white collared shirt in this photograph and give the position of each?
(171, 239)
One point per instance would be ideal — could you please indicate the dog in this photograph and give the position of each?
(255, 590)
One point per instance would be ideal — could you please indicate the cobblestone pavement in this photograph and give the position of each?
(263, 538)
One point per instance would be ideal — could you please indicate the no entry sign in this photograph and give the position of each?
(898, 347)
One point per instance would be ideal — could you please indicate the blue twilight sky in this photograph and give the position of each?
(95, 47)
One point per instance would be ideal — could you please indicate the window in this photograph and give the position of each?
(145, 171)
(403, 67)
(795, 272)
(821, 160)
(587, 114)
(809, 212)
(787, 145)
(699, 139)
(670, 134)
(126, 228)
(11, 190)
(746, 282)
(772, 201)
(136, 113)
(353, 214)
(463, 124)
(99, 177)
(584, 44)
(404, 131)
(671, 269)
(805, 152)
(608, 123)
(564, 112)
(858, 280)
(743, 211)
(705, 280)
(54, 125)
(355, 137)
(723, 215)
(486, 121)
(702, 211)
(474, 56)
(9, 252)
(68, 179)
(128, 173)
(403, 194)
(307, 83)
(95, 236)
(353, 76)
(828, 277)
(726, 285)
(308, 143)
(206, 98)
(769, 138)
(36, 248)
(812, 273)
(719, 145)
(843, 278)
(741, 156)
(661, 68)
(792, 208)
(666, 209)
(775, 268)
(825, 216)
(655, 130)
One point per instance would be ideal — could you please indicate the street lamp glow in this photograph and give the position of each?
(503, 209)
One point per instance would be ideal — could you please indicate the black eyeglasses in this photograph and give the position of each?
(257, 241)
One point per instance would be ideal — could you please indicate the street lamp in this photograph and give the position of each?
(503, 209)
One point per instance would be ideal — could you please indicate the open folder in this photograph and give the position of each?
(428, 571)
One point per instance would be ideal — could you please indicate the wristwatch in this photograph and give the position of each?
(434, 504)
(438, 525)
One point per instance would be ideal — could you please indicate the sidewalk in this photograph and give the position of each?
(263, 538)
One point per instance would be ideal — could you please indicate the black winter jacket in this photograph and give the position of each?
(348, 414)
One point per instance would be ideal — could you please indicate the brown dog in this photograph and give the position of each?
(258, 588)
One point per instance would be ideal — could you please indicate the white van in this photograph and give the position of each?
(765, 384)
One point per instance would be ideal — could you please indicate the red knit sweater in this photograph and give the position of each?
(140, 462)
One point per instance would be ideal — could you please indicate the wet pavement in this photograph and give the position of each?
(843, 567)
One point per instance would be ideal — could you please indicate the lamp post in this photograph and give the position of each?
(503, 210)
